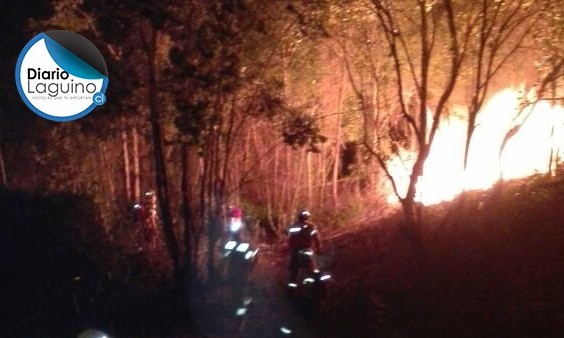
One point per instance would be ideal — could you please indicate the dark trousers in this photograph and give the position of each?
(298, 261)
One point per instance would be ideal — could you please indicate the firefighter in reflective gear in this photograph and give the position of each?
(234, 225)
(302, 235)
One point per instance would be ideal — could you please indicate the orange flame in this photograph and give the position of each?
(539, 133)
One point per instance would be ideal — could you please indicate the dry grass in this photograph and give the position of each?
(491, 266)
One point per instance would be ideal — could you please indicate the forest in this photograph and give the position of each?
(387, 119)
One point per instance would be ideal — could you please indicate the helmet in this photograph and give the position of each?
(235, 212)
(303, 215)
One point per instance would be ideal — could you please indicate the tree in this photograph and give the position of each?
(501, 31)
(192, 75)
(400, 102)
(551, 64)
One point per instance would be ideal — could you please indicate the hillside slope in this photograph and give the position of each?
(492, 266)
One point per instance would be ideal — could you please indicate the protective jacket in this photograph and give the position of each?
(304, 235)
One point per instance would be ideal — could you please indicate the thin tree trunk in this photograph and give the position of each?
(335, 192)
(295, 198)
(275, 190)
(207, 206)
(201, 209)
(136, 166)
(161, 177)
(309, 183)
(215, 187)
(285, 193)
(126, 164)
(323, 171)
(285, 200)
(552, 158)
(108, 191)
(188, 214)
(108, 170)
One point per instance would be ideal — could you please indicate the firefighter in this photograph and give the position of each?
(302, 235)
(234, 225)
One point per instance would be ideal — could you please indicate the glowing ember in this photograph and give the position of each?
(527, 152)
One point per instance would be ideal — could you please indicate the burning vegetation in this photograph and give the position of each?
(514, 138)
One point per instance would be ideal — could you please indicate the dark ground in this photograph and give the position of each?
(488, 266)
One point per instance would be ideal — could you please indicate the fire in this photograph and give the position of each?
(528, 151)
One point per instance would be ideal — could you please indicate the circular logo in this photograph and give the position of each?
(61, 76)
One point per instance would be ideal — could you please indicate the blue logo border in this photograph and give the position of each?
(22, 55)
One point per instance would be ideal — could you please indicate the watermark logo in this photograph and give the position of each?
(61, 76)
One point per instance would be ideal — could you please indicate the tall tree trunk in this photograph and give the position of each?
(553, 155)
(338, 144)
(136, 166)
(298, 182)
(161, 178)
(323, 171)
(336, 157)
(108, 170)
(109, 193)
(201, 209)
(126, 164)
(275, 191)
(309, 183)
(186, 191)
(214, 192)
(286, 195)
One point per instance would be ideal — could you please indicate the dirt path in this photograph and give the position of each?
(272, 313)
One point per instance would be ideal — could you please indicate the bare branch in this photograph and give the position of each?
(391, 33)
